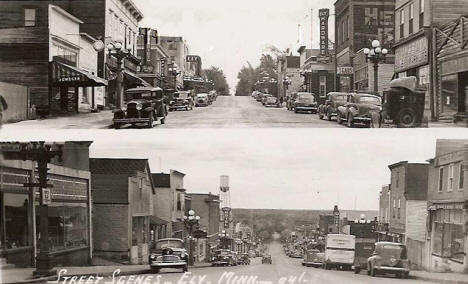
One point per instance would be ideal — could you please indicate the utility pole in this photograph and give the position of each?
(40, 153)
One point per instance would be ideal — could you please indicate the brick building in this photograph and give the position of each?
(122, 193)
(364, 73)
(447, 207)
(70, 234)
(357, 23)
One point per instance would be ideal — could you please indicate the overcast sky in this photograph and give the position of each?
(271, 168)
(227, 34)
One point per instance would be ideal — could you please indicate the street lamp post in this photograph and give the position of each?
(190, 222)
(173, 70)
(376, 55)
(115, 50)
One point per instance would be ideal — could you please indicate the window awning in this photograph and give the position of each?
(133, 79)
(66, 75)
(158, 221)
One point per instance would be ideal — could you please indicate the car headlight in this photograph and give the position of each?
(171, 102)
(153, 256)
(124, 108)
(139, 106)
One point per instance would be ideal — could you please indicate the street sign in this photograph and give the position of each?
(46, 197)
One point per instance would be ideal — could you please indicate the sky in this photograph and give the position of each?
(227, 34)
(271, 168)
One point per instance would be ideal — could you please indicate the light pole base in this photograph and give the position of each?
(44, 266)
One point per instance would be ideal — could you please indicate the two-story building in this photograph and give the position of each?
(447, 207)
(384, 214)
(289, 75)
(176, 63)
(161, 221)
(357, 24)
(44, 47)
(122, 193)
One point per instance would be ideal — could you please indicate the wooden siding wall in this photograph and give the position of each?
(24, 56)
(447, 10)
(12, 13)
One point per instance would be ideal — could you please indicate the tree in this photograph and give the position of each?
(249, 75)
(216, 75)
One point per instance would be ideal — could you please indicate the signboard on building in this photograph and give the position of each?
(192, 58)
(46, 196)
(412, 54)
(345, 70)
(323, 15)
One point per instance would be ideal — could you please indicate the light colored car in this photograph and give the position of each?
(168, 253)
(271, 101)
(201, 100)
(313, 258)
(389, 257)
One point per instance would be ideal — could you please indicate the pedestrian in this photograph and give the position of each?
(281, 100)
(3, 107)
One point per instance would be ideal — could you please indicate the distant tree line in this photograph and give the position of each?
(249, 75)
(216, 75)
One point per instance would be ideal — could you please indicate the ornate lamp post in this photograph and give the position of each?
(174, 71)
(190, 222)
(115, 50)
(224, 239)
(376, 55)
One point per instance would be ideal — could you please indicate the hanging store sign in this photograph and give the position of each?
(46, 196)
(323, 15)
(192, 58)
(412, 54)
(345, 70)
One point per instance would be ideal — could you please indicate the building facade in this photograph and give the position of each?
(122, 193)
(289, 75)
(357, 24)
(161, 220)
(447, 207)
(176, 63)
(70, 234)
(364, 73)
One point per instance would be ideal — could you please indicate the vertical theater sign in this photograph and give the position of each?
(324, 15)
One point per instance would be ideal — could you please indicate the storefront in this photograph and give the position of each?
(448, 237)
(452, 70)
(69, 215)
(73, 90)
(412, 59)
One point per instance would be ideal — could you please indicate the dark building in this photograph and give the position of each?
(357, 24)
(318, 74)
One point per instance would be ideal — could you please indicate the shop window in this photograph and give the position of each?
(441, 179)
(323, 86)
(29, 17)
(16, 220)
(461, 177)
(449, 237)
(449, 90)
(68, 225)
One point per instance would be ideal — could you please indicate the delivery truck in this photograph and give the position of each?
(339, 251)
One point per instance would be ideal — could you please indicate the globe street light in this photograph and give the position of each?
(115, 50)
(190, 222)
(376, 55)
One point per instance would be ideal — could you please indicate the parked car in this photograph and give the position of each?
(267, 259)
(305, 102)
(213, 95)
(201, 100)
(252, 253)
(364, 249)
(313, 258)
(259, 96)
(142, 106)
(360, 108)
(223, 257)
(403, 104)
(329, 109)
(389, 257)
(296, 254)
(181, 100)
(339, 251)
(271, 101)
(290, 101)
(265, 98)
(168, 253)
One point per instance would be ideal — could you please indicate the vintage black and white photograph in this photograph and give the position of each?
(242, 142)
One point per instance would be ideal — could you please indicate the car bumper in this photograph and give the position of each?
(220, 262)
(311, 263)
(391, 269)
(304, 108)
(130, 120)
(154, 264)
(178, 106)
(362, 119)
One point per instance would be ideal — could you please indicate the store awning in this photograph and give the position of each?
(66, 75)
(158, 221)
(133, 79)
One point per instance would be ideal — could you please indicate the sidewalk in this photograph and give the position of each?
(440, 277)
(24, 275)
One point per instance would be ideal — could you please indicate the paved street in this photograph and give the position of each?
(283, 270)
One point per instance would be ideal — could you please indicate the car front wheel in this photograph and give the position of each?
(349, 121)
(338, 119)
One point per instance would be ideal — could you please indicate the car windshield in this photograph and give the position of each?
(340, 98)
(224, 252)
(139, 96)
(162, 244)
(181, 95)
(369, 99)
(390, 250)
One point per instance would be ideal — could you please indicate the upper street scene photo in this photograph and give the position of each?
(121, 64)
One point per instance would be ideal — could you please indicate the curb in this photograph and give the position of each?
(441, 281)
(106, 274)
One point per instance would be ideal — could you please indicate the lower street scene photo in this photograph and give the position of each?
(207, 208)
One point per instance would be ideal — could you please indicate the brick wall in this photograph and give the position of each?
(111, 232)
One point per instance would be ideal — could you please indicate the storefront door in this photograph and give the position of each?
(462, 91)
(68, 99)
(449, 91)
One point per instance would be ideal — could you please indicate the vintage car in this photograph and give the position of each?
(389, 257)
(364, 249)
(271, 101)
(223, 257)
(181, 100)
(360, 108)
(290, 101)
(244, 259)
(201, 100)
(142, 106)
(265, 98)
(313, 258)
(168, 253)
(403, 104)
(329, 108)
(297, 253)
(252, 253)
(305, 102)
(212, 95)
(266, 258)
(259, 96)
